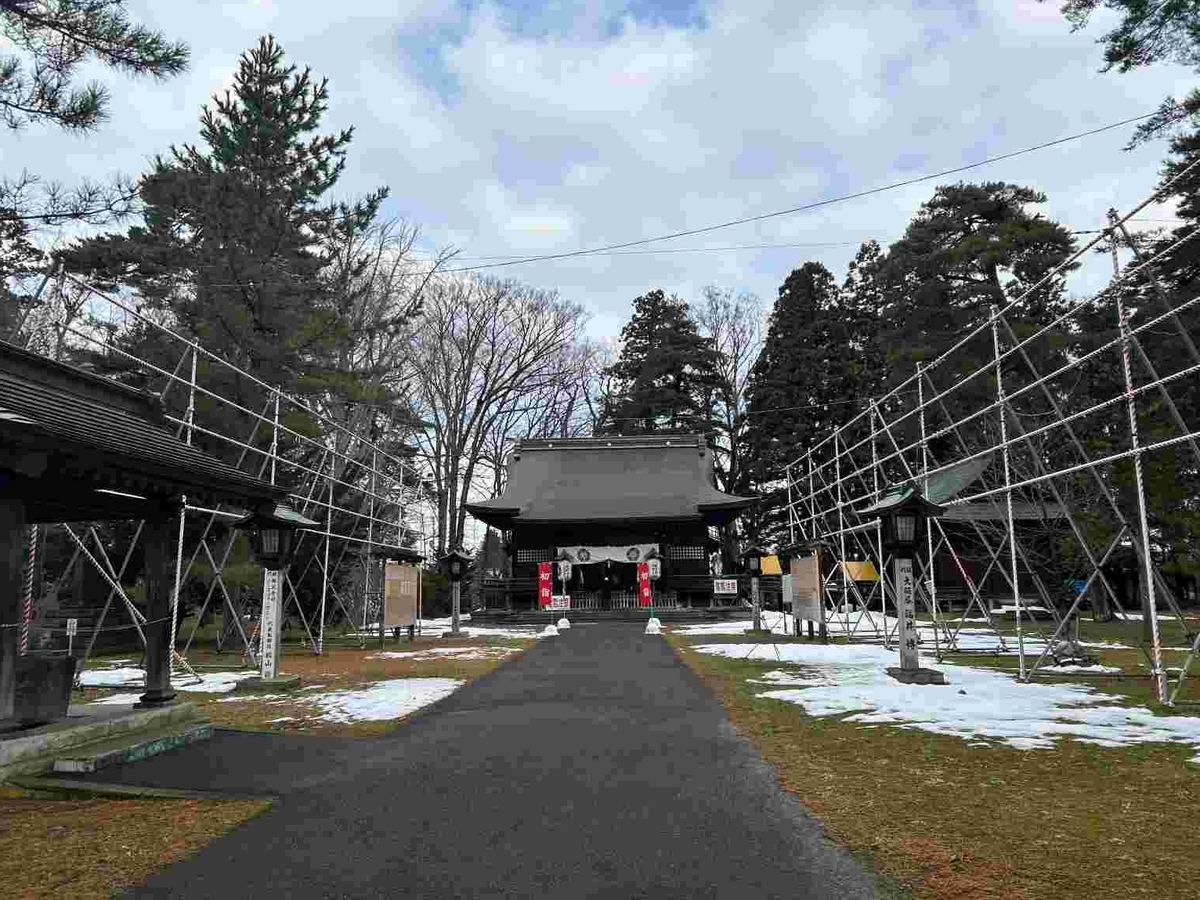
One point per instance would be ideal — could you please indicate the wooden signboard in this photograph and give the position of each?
(401, 595)
(806, 588)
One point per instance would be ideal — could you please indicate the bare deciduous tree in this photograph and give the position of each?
(482, 349)
(734, 323)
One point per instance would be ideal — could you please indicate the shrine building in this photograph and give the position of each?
(607, 505)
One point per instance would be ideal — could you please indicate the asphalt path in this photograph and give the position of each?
(595, 765)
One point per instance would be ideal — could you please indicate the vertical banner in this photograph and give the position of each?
(269, 626)
(545, 585)
(903, 569)
(644, 596)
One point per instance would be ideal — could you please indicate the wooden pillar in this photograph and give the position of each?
(14, 535)
(159, 577)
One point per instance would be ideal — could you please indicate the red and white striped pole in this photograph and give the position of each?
(27, 607)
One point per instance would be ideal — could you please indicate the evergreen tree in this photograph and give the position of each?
(665, 374)
(1171, 475)
(46, 42)
(57, 36)
(235, 237)
(814, 373)
(969, 247)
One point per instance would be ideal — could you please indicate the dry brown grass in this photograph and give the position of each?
(90, 848)
(951, 821)
(339, 668)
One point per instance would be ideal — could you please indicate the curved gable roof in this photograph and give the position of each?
(610, 478)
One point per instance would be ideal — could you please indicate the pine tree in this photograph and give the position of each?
(813, 374)
(665, 374)
(58, 36)
(236, 239)
(970, 247)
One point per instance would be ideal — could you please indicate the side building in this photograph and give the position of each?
(607, 504)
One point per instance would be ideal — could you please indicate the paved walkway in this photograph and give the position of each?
(595, 766)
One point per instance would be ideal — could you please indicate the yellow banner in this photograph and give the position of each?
(863, 570)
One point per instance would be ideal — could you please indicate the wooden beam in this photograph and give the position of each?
(159, 578)
(13, 537)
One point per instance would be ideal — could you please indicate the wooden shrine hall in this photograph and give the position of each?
(76, 447)
(608, 505)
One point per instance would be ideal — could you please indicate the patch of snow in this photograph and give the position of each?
(869, 627)
(281, 719)
(210, 682)
(853, 681)
(456, 652)
(242, 697)
(549, 631)
(563, 623)
(383, 699)
(120, 699)
(1070, 670)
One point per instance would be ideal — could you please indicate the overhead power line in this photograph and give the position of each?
(817, 204)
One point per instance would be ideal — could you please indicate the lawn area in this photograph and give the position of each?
(953, 820)
(341, 675)
(88, 849)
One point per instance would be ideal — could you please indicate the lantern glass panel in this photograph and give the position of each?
(906, 528)
(754, 563)
(269, 540)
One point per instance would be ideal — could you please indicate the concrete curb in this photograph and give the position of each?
(77, 788)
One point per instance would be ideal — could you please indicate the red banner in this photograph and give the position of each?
(644, 595)
(545, 585)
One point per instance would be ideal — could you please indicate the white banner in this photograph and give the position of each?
(633, 553)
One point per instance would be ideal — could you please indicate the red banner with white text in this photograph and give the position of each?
(545, 585)
(644, 595)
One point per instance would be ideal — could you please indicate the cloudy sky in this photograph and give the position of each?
(511, 127)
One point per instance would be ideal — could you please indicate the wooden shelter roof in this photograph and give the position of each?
(76, 446)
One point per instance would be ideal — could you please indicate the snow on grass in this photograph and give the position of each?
(209, 683)
(869, 627)
(438, 652)
(1071, 670)
(383, 699)
(120, 699)
(978, 703)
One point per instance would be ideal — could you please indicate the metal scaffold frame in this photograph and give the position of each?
(377, 498)
(1026, 471)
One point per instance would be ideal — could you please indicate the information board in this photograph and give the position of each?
(806, 588)
(725, 586)
(401, 595)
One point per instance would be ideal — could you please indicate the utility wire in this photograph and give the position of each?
(809, 206)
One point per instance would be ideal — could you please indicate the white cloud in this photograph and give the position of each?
(502, 142)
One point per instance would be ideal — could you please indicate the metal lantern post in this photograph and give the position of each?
(272, 537)
(455, 564)
(903, 514)
(752, 560)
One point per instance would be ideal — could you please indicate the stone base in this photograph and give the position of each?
(759, 632)
(450, 634)
(155, 699)
(267, 685)
(917, 676)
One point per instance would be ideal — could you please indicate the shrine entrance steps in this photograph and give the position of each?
(545, 617)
